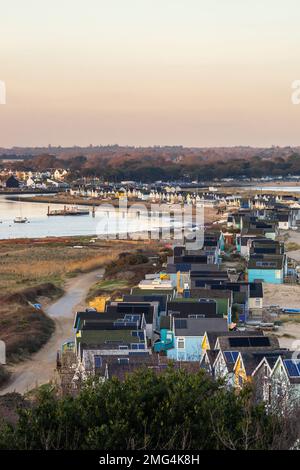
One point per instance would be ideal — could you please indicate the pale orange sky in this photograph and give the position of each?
(149, 72)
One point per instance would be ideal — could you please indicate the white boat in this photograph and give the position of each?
(20, 220)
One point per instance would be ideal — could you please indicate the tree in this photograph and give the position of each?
(170, 410)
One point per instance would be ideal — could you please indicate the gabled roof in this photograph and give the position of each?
(120, 366)
(97, 318)
(250, 360)
(209, 271)
(212, 336)
(209, 355)
(201, 292)
(271, 358)
(266, 262)
(229, 358)
(81, 316)
(122, 335)
(207, 307)
(191, 259)
(247, 343)
(198, 326)
(120, 309)
(145, 297)
(182, 267)
(138, 291)
(288, 368)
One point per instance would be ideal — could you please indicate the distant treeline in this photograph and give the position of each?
(151, 168)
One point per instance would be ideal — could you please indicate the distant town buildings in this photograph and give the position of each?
(34, 180)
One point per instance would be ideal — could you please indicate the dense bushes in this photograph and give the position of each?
(172, 410)
(24, 329)
(4, 375)
(47, 289)
(125, 260)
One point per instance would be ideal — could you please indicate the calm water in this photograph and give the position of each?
(40, 225)
(292, 189)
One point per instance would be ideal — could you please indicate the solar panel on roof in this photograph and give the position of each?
(252, 341)
(184, 267)
(235, 355)
(293, 367)
(239, 342)
(125, 324)
(231, 356)
(259, 341)
(227, 355)
(138, 334)
(138, 353)
(135, 346)
(132, 318)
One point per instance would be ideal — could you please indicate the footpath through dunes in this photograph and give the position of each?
(39, 369)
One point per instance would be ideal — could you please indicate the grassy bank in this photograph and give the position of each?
(126, 271)
(34, 271)
(24, 330)
(26, 263)
(66, 198)
(4, 375)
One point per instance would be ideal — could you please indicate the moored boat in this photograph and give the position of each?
(20, 220)
(68, 211)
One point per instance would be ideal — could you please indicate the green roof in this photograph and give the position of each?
(100, 336)
(138, 291)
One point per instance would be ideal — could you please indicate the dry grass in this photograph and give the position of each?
(292, 246)
(23, 329)
(30, 265)
(91, 264)
(33, 268)
(27, 263)
(124, 273)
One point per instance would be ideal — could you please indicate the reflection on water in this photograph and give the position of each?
(40, 225)
(292, 189)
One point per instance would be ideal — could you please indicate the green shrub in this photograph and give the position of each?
(171, 410)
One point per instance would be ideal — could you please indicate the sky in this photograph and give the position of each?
(149, 72)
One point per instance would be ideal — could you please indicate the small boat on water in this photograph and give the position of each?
(20, 220)
(68, 211)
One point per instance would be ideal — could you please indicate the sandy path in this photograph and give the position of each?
(291, 236)
(39, 369)
(284, 295)
(289, 336)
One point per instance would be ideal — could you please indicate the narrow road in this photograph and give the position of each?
(39, 369)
